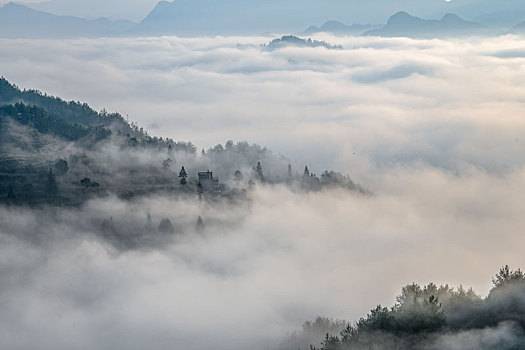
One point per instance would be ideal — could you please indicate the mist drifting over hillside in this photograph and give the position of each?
(432, 127)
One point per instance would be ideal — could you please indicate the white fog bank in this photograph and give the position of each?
(433, 128)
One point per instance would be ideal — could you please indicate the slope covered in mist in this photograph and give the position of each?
(59, 152)
(338, 28)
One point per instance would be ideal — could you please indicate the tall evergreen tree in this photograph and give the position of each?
(182, 176)
(259, 171)
(166, 226)
(306, 172)
(199, 227)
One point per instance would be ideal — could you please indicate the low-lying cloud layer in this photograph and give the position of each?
(447, 103)
(256, 272)
(434, 128)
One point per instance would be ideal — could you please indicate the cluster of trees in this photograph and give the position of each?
(423, 315)
(292, 40)
(43, 122)
(308, 181)
(126, 235)
(29, 184)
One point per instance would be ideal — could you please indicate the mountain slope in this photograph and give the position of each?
(133, 10)
(19, 21)
(501, 20)
(73, 112)
(402, 24)
(58, 152)
(338, 28)
(205, 17)
(202, 17)
(289, 15)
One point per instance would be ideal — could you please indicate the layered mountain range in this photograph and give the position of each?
(19, 21)
(235, 17)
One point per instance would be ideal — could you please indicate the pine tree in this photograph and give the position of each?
(306, 172)
(183, 175)
(166, 226)
(200, 225)
(259, 171)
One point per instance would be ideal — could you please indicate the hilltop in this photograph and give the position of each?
(291, 40)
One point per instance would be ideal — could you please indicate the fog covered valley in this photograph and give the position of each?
(106, 242)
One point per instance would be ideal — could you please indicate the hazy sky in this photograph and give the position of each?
(376, 11)
(134, 10)
(434, 128)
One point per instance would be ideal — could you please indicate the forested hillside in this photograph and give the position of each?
(72, 112)
(430, 317)
(63, 153)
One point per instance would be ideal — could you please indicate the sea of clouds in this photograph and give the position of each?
(433, 128)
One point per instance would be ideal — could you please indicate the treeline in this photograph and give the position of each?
(292, 40)
(39, 119)
(73, 112)
(51, 109)
(432, 317)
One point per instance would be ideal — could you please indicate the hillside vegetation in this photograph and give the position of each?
(64, 153)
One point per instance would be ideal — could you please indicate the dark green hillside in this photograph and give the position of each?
(55, 113)
(291, 40)
(39, 119)
(73, 112)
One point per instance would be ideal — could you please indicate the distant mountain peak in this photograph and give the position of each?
(20, 21)
(401, 15)
(453, 18)
(162, 5)
(336, 27)
(403, 24)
